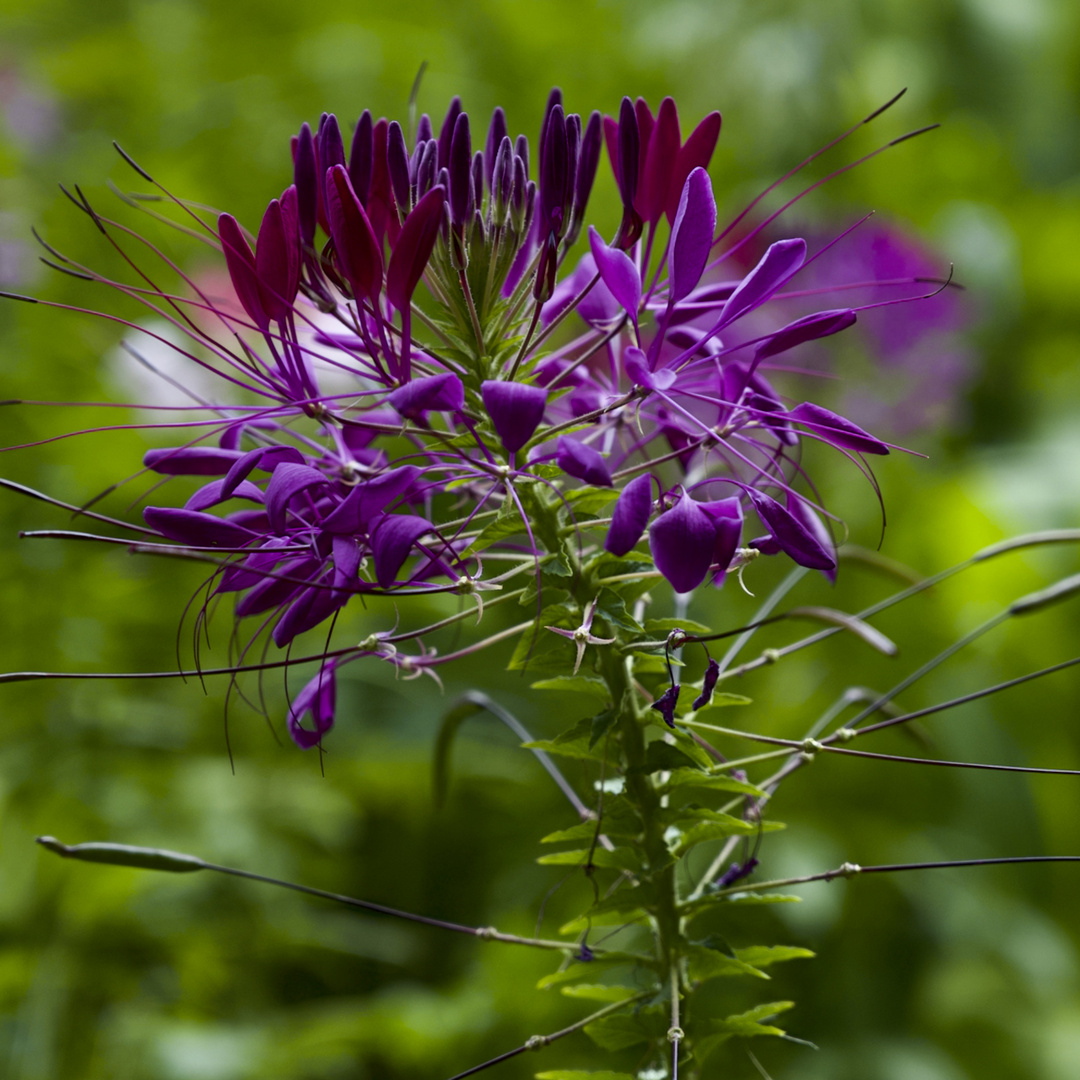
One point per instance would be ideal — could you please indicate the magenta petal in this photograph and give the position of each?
(809, 328)
(318, 699)
(240, 260)
(277, 258)
(359, 253)
(727, 518)
(582, 462)
(195, 528)
(777, 265)
(660, 162)
(636, 366)
(368, 498)
(213, 493)
(441, 393)
(288, 480)
(618, 272)
(516, 410)
(631, 515)
(691, 236)
(682, 541)
(791, 534)
(413, 248)
(696, 153)
(277, 588)
(310, 608)
(391, 541)
(836, 429)
(808, 517)
(191, 460)
(266, 458)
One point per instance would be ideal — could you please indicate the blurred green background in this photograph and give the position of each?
(941, 976)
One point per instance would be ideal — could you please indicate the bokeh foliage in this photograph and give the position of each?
(109, 973)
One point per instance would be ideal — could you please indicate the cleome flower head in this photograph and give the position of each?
(419, 374)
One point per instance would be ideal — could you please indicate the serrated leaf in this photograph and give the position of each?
(576, 684)
(545, 470)
(600, 992)
(575, 743)
(754, 1015)
(604, 918)
(588, 500)
(665, 626)
(584, 970)
(713, 782)
(601, 725)
(705, 963)
(761, 956)
(689, 747)
(720, 701)
(649, 664)
(661, 756)
(742, 899)
(704, 831)
(629, 1029)
(508, 522)
(612, 607)
(619, 859)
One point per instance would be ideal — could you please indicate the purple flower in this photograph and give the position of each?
(516, 410)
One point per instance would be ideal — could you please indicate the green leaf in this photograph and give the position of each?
(601, 725)
(661, 756)
(599, 992)
(575, 743)
(665, 626)
(622, 858)
(125, 855)
(705, 963)
(720, 701)
(508, 522)
(586, 685)
(618, 820)
(629, 1029)
(612, 607)
(742, 899)
(738, 1023)
(545, 470)
(761, 956)
(712, 830)
(604, 918)
(585, 970)
(589, 500)
(577, 1074)
(713, 782)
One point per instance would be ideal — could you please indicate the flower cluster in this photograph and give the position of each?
(376, 438)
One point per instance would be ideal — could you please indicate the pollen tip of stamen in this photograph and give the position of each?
(18, 296)
(131, 161)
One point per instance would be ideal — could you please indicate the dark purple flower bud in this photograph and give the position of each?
(287, 481)
(691, 235)
(391, 541)
(359, 253)
(808, 328)
(477, 180)
(380, 204)
(368, 498)
(661, 159)
(497, 131)
(516, 410)
(441, 393)
(362, 157)
(318, 699)
(306, 179)
(397, 164)
(629, 148)
(553, 174)
(712, 674)
(196, 529)
(554, 101)
(665, 704)
(791, 534)
(191, 460)
(425, 173)
(521, 148)
(836, 429)
(735, 872)
(331, 147)
(446, 132)
(413, 248)
(631, 515)
(646, 123)
(424, 130)
(777, 266)
(618, 272)
(682, 541)
(459, 172)
(502, 177)
(517, 194)
(240, 261)
(588, 160)
(582, 462)
(696, 153)
(277, 256)
(573, 149)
